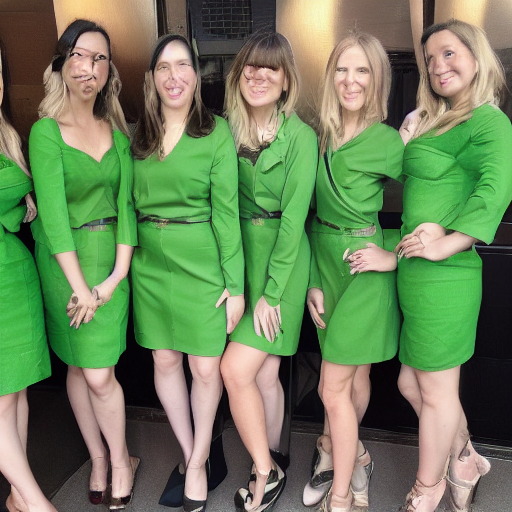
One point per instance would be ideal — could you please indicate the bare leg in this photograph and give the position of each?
(171, 388)
(240, 366)
(13, 460)
(272, 393)
(107, 400)
(336, 394)
(204, 399)
(79, 398)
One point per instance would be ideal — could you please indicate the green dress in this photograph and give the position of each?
(24, 357)
(277, 252)
(361, 310)
(73, 189)
(461, 180)
(181, 268)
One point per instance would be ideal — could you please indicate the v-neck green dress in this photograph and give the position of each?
(277, 252)
(361, 310)
(24, 357)
(180, 268)
(73, 189)
(461, 180)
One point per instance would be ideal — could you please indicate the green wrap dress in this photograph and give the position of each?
(184, 263)
(361, 310)
(24, 357)
(73, 189)
(277, 252)
(461, 180)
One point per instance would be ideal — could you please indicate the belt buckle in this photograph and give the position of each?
(257, 221)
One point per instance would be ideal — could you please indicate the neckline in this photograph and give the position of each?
(353, 139)
(81, 151)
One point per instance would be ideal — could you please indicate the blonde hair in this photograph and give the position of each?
(267, 50)
(107, 104)
(434, 110)
(375, 108)
(10, 142)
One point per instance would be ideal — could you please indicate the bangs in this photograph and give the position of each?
(267, 54)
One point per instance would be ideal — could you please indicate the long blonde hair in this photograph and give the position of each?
(375, 108)
(267, 50)
(434, 110)
(107, 104)
(10, 142)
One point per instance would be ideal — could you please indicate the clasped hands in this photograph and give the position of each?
(81, 308)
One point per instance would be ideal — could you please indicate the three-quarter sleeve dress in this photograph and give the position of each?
(461, 180)
(276, 249)
(24, 357)
(73, 189)
(190, 247)
(361, 310)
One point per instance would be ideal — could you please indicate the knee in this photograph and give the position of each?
(205, 370)
(408, 388)
(269, 384)
(333, 395)
(167, 361)
(232, 373)
(100, 381)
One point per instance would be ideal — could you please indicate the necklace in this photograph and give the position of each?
(267, 133)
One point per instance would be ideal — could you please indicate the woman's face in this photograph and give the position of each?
(175, 77)
(86, 70)
(352, 78)
(262, 87)
(451, 66)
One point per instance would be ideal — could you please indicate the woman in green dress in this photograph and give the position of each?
(458, 183)
(85, 233)
(356, 313)
(24, 357)
(187, 272)
(277, 158)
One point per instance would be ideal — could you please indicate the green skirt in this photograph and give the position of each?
(24, 357)
(361, 310)
(258, 241)
(440, 302)
(177, 280)
(99, 343)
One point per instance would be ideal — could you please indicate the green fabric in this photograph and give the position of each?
(361, 310)
(462, 180)
(72, 188)
(467, 184)
(277, 252)
(179, 271)
(196, 182)
(24, 357)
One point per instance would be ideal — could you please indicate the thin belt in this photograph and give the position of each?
(369, 231)
(162, 222)
(98, 225)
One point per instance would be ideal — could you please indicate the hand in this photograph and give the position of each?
(409, 125)
(31, 209)
(315, 302)
(81, 309)
(103, 292)
(424, 242)
(235, 307)
(267, 317)
(373, 258)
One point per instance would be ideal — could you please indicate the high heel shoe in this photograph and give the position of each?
(462, 492)
(342, 505)
(321, 473)
(193, 505)
(423, 498)
(122, 502)
(276, 480)
(172, 496)
(96, 497)
(365, 462)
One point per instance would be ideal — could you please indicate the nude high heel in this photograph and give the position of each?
(365, 462)
(424, 498)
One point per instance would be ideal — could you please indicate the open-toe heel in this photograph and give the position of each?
(321, 473)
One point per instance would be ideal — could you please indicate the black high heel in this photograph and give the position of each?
(172, 496)
(193, 505)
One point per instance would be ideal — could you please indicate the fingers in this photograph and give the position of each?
(315, 315)
(256, 323)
